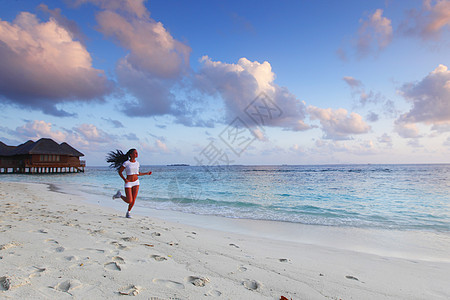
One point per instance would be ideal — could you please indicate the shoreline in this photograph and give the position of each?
(55, 244)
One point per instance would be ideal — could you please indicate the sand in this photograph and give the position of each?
(57, 246)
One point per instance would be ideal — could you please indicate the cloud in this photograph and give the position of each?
(331, 147)
(156, 62)
(35, 130)
(248, 90)
(43, 66)
(406, 130)
(385, 139)
(443, 127)
(374, 34)
(152, 48)
(69, 25)
(338, 124)
(151, 95)
(429, 21)
(415, 143)
(430, 98)
(85, 136)
(132, 7)
(91, 133)
(358, 90)
(372, 117)
(115, 123)
(157, 147)
(447, 142)
(352, 82)
(161, 145)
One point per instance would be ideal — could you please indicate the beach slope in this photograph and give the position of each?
(57, 246)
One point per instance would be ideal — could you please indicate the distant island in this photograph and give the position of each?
(178, 165)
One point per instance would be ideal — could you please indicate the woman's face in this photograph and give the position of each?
(134, 154)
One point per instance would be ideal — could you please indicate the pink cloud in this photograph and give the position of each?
(374, 34)
(42, 66)
(429, 21)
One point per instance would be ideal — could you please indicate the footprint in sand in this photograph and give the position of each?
(130, 239)
(242, 269)
(10, 282)
(51, 241)
(60, 249)
(93, 250)
(113, 266)
(158, 258)
(214, 293)
(155, 234)
(169, 283)
(130, 290)
(118, 260)
(9, 245)
(68, 286)
(71, 258)
(283, 260)
(36, 272)
(95, 232)
(119, 245)
(252, 285)
(198, 281)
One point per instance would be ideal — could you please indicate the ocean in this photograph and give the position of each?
(400, 197)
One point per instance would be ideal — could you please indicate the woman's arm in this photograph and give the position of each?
(121, 173)
(146, 173)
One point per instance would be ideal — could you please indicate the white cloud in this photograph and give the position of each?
(249, 87)
(430, 98)
(42, 65)
(36, 130)
(374, 34)
(338, 124)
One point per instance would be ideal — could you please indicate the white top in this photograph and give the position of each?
(131, 168)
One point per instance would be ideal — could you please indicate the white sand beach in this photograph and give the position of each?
(58, 246)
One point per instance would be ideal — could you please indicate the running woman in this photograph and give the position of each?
(120, 161)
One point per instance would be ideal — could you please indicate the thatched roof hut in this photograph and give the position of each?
(42, 156)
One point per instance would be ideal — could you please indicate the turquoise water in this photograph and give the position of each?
(402, 197)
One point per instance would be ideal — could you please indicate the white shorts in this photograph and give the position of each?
(130, 184)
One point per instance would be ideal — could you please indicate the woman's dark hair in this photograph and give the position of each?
(116, 159)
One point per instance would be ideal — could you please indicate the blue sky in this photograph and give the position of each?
(243, 82)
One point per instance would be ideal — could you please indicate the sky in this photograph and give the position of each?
(230, 82)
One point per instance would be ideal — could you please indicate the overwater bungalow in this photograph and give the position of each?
(43, 156)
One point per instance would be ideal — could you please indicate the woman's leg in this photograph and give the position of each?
(134, 192)
(128, 195)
